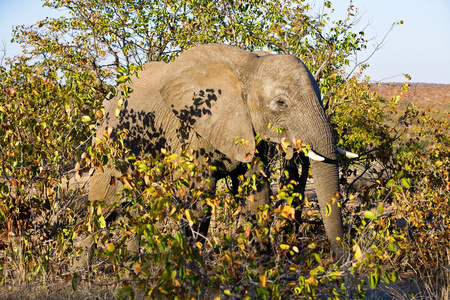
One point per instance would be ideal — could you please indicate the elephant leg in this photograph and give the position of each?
(292, 168)
(300, 179)
(258, 197)
(234, 184)
(198, 231)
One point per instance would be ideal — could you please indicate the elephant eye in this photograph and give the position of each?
(281, 103)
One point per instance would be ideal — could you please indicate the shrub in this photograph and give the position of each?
(51, 102)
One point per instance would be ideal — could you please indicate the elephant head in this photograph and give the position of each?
(225, 94)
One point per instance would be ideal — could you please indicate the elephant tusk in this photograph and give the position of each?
(314, 156)
(347, 153)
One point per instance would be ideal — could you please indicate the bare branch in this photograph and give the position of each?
(324, 64)
(377, 47)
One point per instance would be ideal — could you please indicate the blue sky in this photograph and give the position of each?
(420, 47)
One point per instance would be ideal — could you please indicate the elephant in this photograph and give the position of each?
(214, 93)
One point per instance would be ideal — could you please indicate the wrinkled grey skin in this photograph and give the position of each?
(213, 93)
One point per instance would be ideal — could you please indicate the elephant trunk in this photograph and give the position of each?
(325, 173)
(326, 176)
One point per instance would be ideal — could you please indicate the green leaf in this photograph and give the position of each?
(374, 278)
(370, 215)
(386, 276)
(284, 247)
(399, 175)
(260, 291)
(393, 247)
(227, 292)
(142, 167)
(380, 209)
(85, 119)
(328, 210)
(122, 79)
(74, 283)
(394, 276)
(184, 182)
(128, 290)
(406, 183)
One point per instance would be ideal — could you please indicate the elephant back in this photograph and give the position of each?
(149, 122)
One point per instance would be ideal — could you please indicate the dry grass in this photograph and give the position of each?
(56, 290)
(435, 97)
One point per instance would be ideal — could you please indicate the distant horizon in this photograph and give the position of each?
(407, 81)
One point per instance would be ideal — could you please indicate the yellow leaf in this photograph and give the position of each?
(137, 266)
(49, 191)
(238, 210)
(284, 144)
(313, 281)
(357, 255)
(336, 273)
(262, 281)
(298, 144)
(99, 167)
(288, 212)
(102, 222)
(173, 210)
(110, 247)
(127, 184)
(189, 216)
(146, 179)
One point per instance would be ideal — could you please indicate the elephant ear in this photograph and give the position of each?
(203, 89)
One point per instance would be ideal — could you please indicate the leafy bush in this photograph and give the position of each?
(395, 196)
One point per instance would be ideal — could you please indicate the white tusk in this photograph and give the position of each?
(314, 156)
(347, 153)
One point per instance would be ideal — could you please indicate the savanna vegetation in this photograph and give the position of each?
(395, 196)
